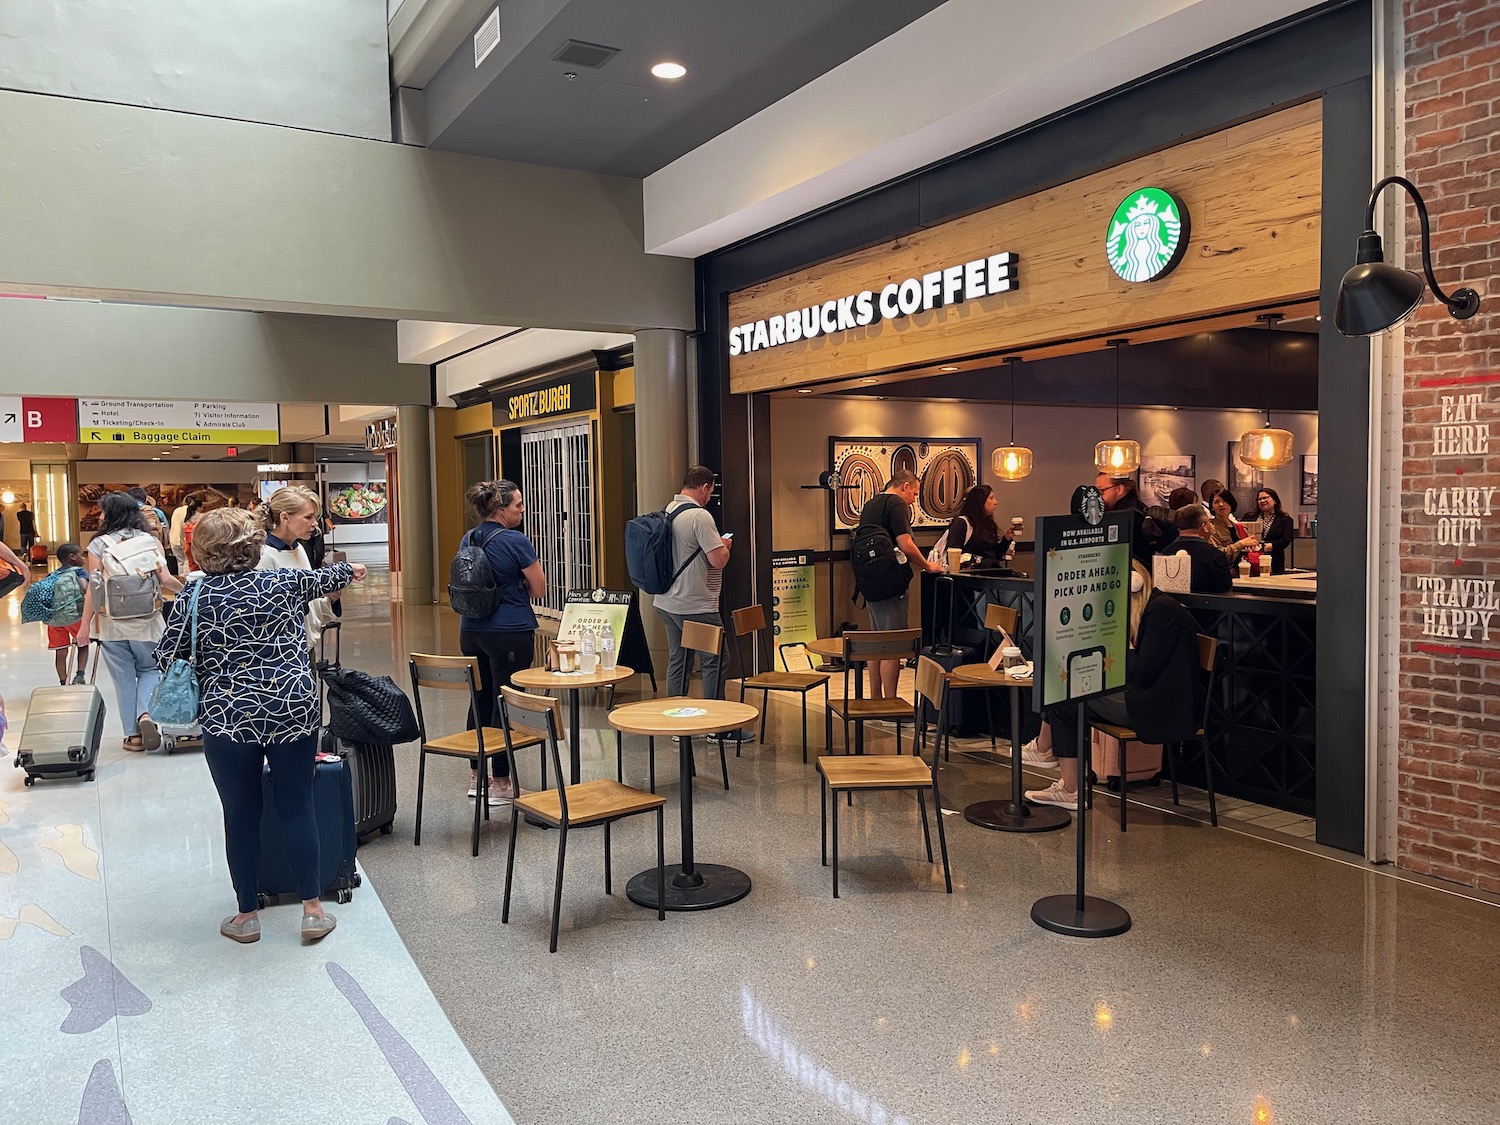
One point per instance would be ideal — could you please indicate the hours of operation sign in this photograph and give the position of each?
(105, 421)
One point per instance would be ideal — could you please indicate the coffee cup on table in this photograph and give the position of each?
(955, 559)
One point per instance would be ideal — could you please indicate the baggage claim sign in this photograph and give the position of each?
(127, 421)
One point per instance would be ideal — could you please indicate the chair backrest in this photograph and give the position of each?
(1002, 618)
(543, 711)
(932, 687)
(930, 681)
(890, 644)
(443, 673)
(702, 637)
(1208, 660)
(751, 619)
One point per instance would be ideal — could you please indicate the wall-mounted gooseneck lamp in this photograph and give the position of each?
(1267, 447)
(1375, 296)
(1121, 456)
(1012, 462)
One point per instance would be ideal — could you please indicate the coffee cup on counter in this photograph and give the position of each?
(955, 559)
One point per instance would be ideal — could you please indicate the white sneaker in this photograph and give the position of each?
(1032, 755)
(1054, 794)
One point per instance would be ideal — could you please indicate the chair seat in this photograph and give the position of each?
(877, 772)
(787, 681)
(589, 802)
(1127, 734)
(896, 710)
(465, 744)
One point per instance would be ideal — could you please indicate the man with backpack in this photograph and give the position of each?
(697, 549)
(882, 550)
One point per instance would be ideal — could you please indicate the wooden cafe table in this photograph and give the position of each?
(1014, 815)
(534, 679)
(690, 885)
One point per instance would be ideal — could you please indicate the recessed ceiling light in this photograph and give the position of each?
(804, 390)
(669, 70)
(948, 367)
(869, 381)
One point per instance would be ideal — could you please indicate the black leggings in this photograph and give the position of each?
(236, 770)
(500, 655)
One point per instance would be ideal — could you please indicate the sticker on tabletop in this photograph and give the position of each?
(685, 712)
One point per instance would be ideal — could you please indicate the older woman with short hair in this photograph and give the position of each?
(258, 702)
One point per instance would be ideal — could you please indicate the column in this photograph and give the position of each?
(414, 506)
(661, 444)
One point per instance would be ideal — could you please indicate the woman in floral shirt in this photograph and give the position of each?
(258, 702)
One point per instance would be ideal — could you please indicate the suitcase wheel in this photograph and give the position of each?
(30, 781)
(89, 776)
(262, 900)
(345, 895)
(387, 829)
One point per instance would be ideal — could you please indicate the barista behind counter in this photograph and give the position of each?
(975, 532)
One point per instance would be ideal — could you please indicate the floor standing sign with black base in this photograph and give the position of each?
(1080, 647)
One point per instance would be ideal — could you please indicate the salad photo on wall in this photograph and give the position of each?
(357, 503)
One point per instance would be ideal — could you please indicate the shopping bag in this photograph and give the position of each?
(1172, 573)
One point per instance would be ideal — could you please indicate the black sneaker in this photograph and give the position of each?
(731, 736)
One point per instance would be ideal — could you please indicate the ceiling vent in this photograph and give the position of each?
(590, 55)
(487, 38)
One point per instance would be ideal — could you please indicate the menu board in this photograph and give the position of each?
(1081, 629)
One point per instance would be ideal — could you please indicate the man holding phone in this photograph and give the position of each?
(695, 595)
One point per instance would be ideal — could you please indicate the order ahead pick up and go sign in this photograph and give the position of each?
(105, 421)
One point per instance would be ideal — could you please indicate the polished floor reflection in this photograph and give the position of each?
(1259, 983)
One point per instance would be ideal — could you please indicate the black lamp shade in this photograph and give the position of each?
(1375, 296)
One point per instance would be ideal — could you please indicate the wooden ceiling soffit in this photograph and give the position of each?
(1253, 193)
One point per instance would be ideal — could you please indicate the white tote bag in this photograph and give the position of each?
(1173, 573)
(939, 552)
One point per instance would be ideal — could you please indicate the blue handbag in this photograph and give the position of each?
(174, 702)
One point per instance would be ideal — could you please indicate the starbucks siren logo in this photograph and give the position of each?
(1148, 235)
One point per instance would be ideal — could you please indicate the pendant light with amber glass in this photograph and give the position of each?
(1012, 462)
(1267, 447)
(1121, 456)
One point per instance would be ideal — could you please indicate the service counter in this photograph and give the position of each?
(1261, 721)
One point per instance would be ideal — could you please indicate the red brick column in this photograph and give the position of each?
(1449, 811)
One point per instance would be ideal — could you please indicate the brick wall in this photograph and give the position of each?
(1449, 812)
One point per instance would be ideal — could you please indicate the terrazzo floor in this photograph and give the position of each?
(1258, 983)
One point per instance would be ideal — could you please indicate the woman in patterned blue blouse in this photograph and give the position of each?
(258, 702)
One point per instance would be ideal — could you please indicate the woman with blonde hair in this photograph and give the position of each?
(1161, 685)
(290, 516)
(258, 703)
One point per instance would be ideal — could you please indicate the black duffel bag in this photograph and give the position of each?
(365, 708)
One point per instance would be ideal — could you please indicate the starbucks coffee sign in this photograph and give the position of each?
(1148, 235)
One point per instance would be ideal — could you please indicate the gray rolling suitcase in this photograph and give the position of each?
(61, 734)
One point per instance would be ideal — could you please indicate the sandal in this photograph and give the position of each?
(134, 743)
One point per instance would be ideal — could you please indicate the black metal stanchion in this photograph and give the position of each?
(1077, 914)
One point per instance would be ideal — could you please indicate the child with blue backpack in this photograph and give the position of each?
(69, 583)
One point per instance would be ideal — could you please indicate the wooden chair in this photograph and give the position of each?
(843, 773)
(748, 622)
(1208, 652)
(459, 673)
(710, 639)
(586, 805)
(894, 644)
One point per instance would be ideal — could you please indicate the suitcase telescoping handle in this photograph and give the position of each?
(942, 644)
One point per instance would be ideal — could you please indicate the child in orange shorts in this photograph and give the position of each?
(60, 638)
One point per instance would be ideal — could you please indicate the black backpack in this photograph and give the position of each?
(879, 572)
(471, 582)
(648, 550)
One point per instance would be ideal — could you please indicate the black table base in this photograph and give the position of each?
(1060, 914)
(1005, 816)
(709, 886)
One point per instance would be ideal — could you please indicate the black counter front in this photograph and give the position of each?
(1261, 721)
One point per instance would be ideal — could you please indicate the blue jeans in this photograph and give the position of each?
(680, 660)
(236, 770)
(132, 667)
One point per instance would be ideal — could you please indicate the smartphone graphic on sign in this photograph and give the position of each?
(1086, 672)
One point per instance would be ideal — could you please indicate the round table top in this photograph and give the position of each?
(978, 674)
(541, 678)
(830, 647)
(709, 716)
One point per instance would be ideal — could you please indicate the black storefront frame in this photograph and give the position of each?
(1326, 53)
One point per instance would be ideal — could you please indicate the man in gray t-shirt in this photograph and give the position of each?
(696, 541)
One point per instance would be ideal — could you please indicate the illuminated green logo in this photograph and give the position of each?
(1148, 235)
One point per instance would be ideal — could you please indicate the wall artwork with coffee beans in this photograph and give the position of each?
(946, 467)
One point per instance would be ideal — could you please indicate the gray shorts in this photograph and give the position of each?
(888, 614)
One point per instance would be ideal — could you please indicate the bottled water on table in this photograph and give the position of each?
(607, 654)
(587, 652)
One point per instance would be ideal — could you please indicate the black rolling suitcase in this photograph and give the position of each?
(333, 806)
(946, 653)
(372, 765)
(60, 737)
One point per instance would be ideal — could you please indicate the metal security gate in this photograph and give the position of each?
(557, 479)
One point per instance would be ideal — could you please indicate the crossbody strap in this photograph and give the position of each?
(193, 614)
(671, 519)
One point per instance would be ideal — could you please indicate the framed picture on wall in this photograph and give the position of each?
(1242, 480)
(1309, 480)
(946, 467)
(1164, 473)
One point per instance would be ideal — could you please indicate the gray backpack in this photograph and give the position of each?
(125, 586)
